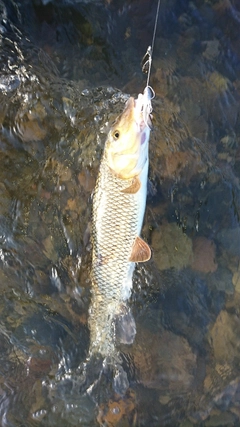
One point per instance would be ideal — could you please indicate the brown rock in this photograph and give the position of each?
(204, 253)
(181, 163)
(39, 366)
(32, 130)
(176, 162)
(118, 411)
(236, 280)
(165, 361)
(86, 180)
(224, 337)
(217, 83)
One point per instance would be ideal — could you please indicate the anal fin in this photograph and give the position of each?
(141, 252)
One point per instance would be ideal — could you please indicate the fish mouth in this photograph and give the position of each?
(143, 109)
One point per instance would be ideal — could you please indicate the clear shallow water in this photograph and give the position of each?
(66, 70)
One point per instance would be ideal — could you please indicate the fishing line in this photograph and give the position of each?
(147, 59)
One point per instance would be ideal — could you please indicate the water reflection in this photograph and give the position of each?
(61, 62)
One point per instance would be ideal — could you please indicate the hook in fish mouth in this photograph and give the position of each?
(143, 108)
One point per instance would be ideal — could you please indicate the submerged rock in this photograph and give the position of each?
(204, 254)
(224, 337)
(164, 361)
(171, 247)
(182, 163)
(236, 280)
(221, 280)
(221, 420)
(118, 411)
(230, 240)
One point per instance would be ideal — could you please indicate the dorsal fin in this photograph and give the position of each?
(140, 251)
(134, 187)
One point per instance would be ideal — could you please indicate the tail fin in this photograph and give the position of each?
(110, 326)
(125, 326)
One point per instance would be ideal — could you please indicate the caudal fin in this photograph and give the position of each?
(125, 326)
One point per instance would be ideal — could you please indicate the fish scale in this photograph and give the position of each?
(116, 215)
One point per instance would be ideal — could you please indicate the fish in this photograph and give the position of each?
(119, 201)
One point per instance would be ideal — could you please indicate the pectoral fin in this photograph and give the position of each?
(134, 187)
(141, 251)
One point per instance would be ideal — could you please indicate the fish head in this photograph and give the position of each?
(126, 147)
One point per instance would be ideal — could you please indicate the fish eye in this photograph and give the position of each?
(116, 134)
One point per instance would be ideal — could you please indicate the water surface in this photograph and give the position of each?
(67, 68)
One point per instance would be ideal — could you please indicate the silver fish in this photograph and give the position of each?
(118, 209)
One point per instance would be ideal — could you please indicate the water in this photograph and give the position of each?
(67, 69)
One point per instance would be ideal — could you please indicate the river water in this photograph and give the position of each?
(67, 68)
